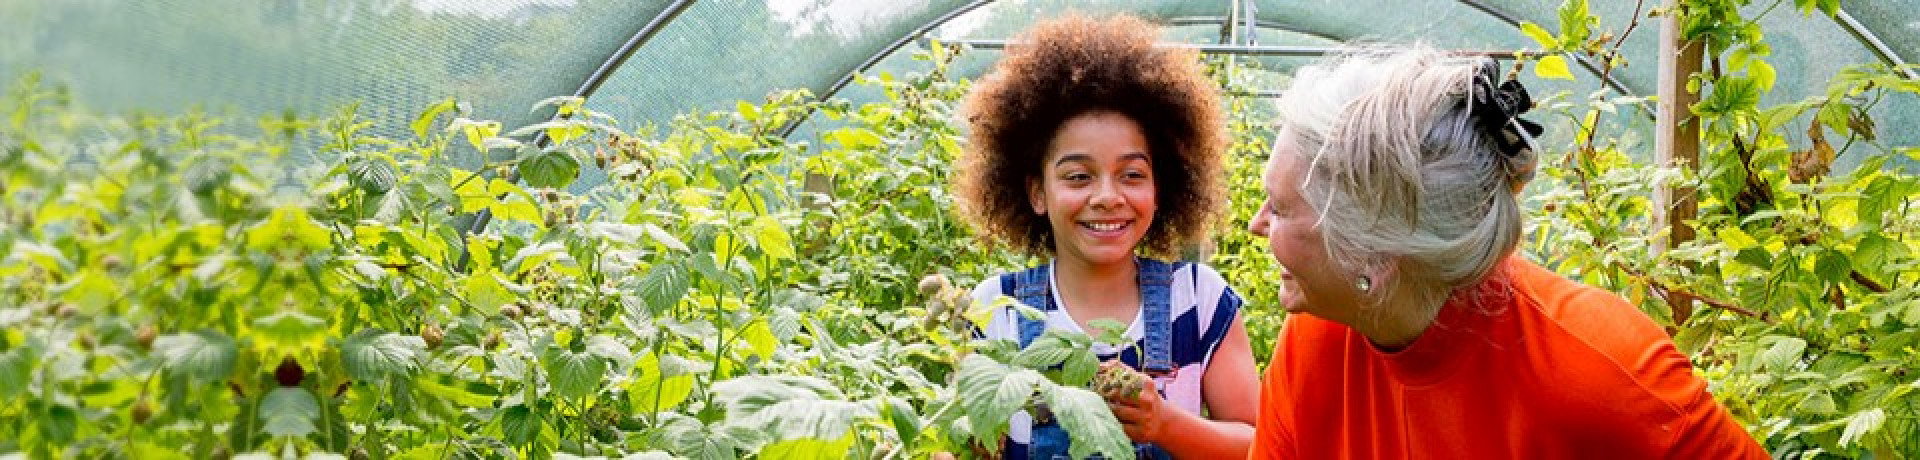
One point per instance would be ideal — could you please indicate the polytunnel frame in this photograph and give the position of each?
(1231, 29)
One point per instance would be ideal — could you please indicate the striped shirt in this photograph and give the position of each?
(1203, 309)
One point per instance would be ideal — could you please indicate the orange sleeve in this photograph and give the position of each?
(1272, 437)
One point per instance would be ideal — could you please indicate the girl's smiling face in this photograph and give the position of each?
(1096, 189)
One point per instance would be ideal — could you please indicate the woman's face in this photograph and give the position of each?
(1310, 283)
(1096, 189)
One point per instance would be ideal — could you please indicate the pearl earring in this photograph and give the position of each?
(1363, 284)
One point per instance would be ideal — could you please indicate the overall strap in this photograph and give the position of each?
(1156, 297)
(1032, 287)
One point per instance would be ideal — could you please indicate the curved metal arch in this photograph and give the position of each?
(903, 40)
(587, 87)
(1873, 43)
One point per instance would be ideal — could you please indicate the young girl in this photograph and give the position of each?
(1092, 146)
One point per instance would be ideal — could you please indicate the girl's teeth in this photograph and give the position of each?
(1105, 227)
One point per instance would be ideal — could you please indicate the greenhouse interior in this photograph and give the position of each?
(741, 229)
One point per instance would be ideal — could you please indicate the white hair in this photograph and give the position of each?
(1409, 189)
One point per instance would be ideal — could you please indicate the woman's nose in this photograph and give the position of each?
(1258, 224)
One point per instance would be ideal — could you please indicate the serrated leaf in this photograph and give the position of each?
(574, 375)
(1862, 424)
(1735, 238)
(789, 407)
(1553, 68)
(760, 339)
(373, 175)
(1783, 354)
(16, 371)
(1079, 368)
(659, 388)
(1045, 351)
(289, 411)
(661, 236)
(1089, 422)
(374, 355)
(807, 448)
(424, 122)
(554, 169)
(664, 285)
(990, 393)
(290, 332)
(519, 425)
(392, 208)
(1762, 73)
(772, 238)
(287, 227)
(204, 355)
(59, 424)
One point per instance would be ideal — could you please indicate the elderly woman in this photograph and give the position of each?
(1417, 332)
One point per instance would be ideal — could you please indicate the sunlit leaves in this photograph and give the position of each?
(375, 355)
(290, 332)
(664, 285)
(289, 411)
(663, 383)
(1552, 67)
(549, 169)
(1085, 415)
(790, 406)
(288, 227)
(203, 355)
(991, 392)
(573, 374)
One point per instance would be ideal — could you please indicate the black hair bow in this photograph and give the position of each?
(1498, 109)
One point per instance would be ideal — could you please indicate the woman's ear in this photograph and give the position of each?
(1037, 196)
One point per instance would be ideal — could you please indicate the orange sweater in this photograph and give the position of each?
(1548, 369)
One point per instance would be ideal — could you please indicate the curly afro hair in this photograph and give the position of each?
(1074, 65)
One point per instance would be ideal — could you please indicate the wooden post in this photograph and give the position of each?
(1676, 143)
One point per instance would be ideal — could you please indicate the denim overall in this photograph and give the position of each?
(1031, 287)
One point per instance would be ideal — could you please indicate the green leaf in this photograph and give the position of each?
(16, 371)
(1730, 95)
(423, 122)
(664, 285)
(1574, 17)
(1045, 352)
(205, 355)
(789, 407)
(553, 169)
(288, 227)
(1552, 67)
(659, 388)
(1833, 266)
(1862, 424)
(1736, 239)
(1784, 353)
(574, 375)
(1079, 368)
(760, 338)
(289, 411)
(990, 392)
(1539, 35)
(519, 425)
(59, 424)
(661, 236)
(1762, 73)
(374, 175)
(477, 132)
(1089, 422)
(807, 448)
(374, 355)
(772, 238)
(290, 332)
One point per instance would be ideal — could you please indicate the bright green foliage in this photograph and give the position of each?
(1806, 327)
(710, 288)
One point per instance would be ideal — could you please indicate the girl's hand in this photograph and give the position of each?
(1142, 414)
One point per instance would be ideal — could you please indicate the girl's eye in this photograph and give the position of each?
(1078, 176)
